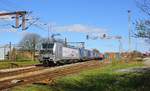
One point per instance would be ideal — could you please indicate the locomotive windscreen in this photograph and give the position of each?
(47, 45)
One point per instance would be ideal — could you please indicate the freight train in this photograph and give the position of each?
(55, 53)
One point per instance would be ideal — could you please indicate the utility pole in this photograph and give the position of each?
(129, 29)
(65, 41)
(49, 28)
(34, 49)
(10, 51)
(5, 52)
(120, 46)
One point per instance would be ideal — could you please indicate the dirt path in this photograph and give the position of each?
(144, 69)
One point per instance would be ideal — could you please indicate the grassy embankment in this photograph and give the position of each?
(101, 79)
(14, 64)
(20, 60)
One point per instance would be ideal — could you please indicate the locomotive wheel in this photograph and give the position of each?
(59, 63)
(51, 63)
(45, 63)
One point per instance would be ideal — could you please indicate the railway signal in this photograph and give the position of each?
(82, 44)
(105, 36)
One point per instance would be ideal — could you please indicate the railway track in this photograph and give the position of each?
(48, 74)
(16, 71)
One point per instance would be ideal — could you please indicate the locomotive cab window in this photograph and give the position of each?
(47, 48)
(47, 45)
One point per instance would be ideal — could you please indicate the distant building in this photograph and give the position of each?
(4, 50)
(2, 55)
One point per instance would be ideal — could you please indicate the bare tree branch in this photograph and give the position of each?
(144, 5)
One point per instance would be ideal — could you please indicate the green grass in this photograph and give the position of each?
(104, 79)
(100, 79)
(33, 88)
(7, 64)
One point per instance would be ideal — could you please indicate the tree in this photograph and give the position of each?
(96, 50)
(30, 41)
(143, 29)
(144, 5)
(143, 26)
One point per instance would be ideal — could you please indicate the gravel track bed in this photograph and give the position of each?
(13, 73)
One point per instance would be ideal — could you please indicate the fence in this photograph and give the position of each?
(14, 52)
(126, 56)
(4, 52)
(112, 56)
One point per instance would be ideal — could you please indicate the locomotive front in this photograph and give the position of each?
(47, 54)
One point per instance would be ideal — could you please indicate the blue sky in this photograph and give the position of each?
(76, 18)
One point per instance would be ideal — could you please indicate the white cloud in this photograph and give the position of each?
(15, 31)
(80, 28)
(8, 30)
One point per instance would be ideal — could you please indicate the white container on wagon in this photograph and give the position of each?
(70, 53)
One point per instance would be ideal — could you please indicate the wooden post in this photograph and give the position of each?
(23, 22)
(10, 51)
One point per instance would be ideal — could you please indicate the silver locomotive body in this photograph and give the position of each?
(57, 53)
